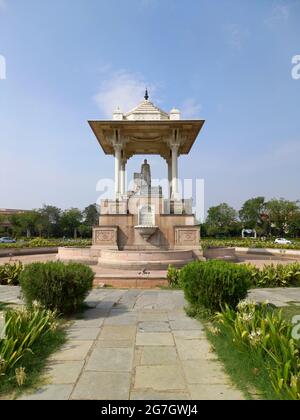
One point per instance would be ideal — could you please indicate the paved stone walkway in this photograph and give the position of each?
(134, 344)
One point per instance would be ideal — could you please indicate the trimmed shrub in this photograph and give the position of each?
(57, 286)
(10, 273)
(214, 284)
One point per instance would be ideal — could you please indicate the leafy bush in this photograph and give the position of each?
(246, 243)
(10, 273)
(48, 243)
(57, 286)
(262, 331)
(173, 277)
(23, 328)
(214, 284)
(277, 275)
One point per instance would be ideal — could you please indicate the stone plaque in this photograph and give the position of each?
(147, 216)
(105, 236)
(187, 236)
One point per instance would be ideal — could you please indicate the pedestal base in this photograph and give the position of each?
(138, 269)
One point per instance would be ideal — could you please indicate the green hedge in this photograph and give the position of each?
(214, 284)
(246, 243)
(57, 286)
(47, 243)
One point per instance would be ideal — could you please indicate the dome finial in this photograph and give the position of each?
(146, 95)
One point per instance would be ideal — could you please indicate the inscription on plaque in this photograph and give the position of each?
(147, 216)
(187, 236)
(105, 236)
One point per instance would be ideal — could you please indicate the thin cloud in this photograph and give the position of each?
(234, 36)
(146, 4)
(191, 109)
(280, 14)
(122, 89)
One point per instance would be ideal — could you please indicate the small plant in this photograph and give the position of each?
(20, 376)
(277, 275)
(214, 284)
(10, 273)
(57, 286)
(173, 277)
(260, 330)
(23, 328)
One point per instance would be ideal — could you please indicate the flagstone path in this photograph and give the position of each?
(136, 344)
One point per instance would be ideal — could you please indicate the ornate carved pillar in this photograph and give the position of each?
(118, 150)
(123, 176)
(174, 149)
(170, 178)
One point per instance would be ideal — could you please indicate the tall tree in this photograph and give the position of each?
(70, 221)
(90, 215)
(294, 224)
(25, 224)
(221, 219)
(281, 213)
(253, 214)
(50, 219)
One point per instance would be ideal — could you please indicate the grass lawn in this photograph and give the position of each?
(290, 311)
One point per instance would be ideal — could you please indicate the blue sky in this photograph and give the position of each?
(228, 62)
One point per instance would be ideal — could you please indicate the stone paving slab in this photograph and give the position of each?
(154, 326)
(103, 386)
(78, 333)
(154, 339)
(214, 392)
(158, 356)
(160, 378)
(197, 349)
(111, 344)
(88, 323)
(66, 372)
(159, 396)
(50, 392)
(123, 319)
(204, 373)
(110, 359)
(73, 350)
(153, 316)
(118, 332)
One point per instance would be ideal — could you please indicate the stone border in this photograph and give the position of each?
(269, 251)
(17, 252)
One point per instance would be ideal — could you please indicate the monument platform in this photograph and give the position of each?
(141, 269)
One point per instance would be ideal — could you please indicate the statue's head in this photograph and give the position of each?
(145, 162)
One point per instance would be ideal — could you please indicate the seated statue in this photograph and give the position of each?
(142, 180)
(146, 173)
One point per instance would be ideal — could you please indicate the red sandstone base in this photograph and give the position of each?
(129, 279)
